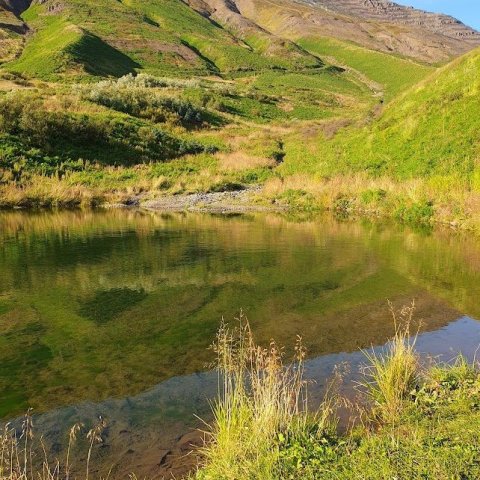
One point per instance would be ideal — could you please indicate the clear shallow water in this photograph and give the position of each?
(112, 313)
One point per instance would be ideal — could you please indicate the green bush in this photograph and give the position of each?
(419, 212)
(373, 196)
(144, 104)
(53, 141)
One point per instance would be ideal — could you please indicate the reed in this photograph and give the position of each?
(23, 456)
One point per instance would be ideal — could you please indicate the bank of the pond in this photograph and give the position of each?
(236, 201)
(376, 203)
(408, 421)
(414, 202)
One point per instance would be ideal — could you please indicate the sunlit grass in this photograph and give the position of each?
(261, 401)
(393, 374)
(416, 424)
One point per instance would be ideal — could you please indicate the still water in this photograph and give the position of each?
(112, 313)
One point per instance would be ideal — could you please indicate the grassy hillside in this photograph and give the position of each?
(82, 144)
(321, 123)
(416, 159)
(430, 130)
(163, 37)
(389, 74)
(126, 34)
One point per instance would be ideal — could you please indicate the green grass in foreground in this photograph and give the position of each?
(417, 424)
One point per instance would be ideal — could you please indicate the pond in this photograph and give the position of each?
(111, 313)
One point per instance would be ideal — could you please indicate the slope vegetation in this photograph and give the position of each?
(388, 74)
(431, 130)
(201, 37)
(163, 37)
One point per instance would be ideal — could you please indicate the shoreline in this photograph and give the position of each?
(237, 201)
(247, 200)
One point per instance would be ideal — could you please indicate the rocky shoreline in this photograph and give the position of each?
(238, 201)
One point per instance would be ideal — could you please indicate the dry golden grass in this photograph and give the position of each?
(239, 160)
(23, 456)
(454, 202)
(46, 192)
(260, 400)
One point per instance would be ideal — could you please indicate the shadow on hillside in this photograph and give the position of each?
(101, 59)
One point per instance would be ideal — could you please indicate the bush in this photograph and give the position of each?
(54, 142)
(419, 212)
(144, 80)
(144, 103)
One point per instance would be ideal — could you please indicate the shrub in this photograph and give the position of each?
(144, 103)
(373, 196)
(52, 141)
(418, 212)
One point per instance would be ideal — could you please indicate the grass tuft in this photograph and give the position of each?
(262, 402)
(392, 375)
(23, 456)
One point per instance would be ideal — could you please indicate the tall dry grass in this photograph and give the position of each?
(23, 456)
(238, 161)
(260, 400)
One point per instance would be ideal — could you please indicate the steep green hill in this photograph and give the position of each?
(432, 129)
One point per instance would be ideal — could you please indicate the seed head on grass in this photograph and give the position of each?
(23, 456)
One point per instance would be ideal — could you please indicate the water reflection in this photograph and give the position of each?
(145, 428)
(96, 306)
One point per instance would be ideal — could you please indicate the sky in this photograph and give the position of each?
(468, 11)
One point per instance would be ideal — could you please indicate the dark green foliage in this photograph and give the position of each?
(419, 212)
(226, 187)
(309, 448)
(142, 103)
(51, 138)
(279, 153)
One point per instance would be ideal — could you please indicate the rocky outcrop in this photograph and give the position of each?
(386, 11)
